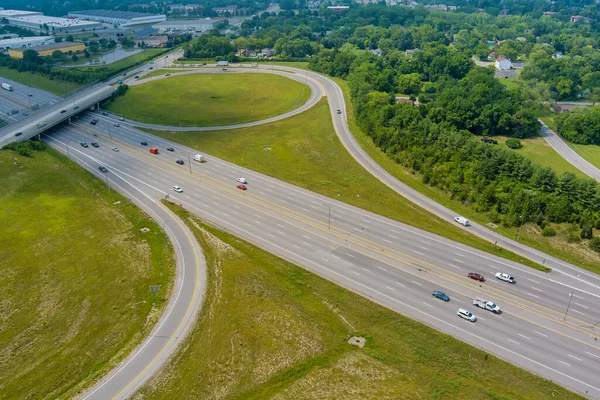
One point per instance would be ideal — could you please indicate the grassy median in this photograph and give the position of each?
(305, 151)
(211, 100)
(271, 330)
(73, 265)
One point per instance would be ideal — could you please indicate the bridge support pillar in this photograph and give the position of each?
(97, 106)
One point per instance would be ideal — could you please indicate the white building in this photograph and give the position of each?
(17, 13)
(197, 25)
(25, 42)
(118, 17)
(503, 64)
(54, 24)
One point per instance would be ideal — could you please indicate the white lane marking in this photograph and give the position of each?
(281, 233)
(296, 246)
(256, 215)
(572, 356)
(391, 288)
(424, 248)
(366, 269)
(247, 224)
(324, 259)
(306, 237)
(417, 283)
(356, 273)
(268, 190)
(581, 305)
(529, 279)
(336, 256)
(283, 201)
(460, 261)
(261, 192)
(387, 241)
(257, 223)
(578, 312)
(349, 255)
(579, 297)
(281, 226)
(539, 290)
(455, 299)
(394, 231)
(460, 255)
(541, 334)
(480, 318)
(514, 341)
(225, 214)
(289, 198)
(365, 220)
(428, 305)
(523, 336)
(205, 205)
(593, 355)
(307, 244)
(381, 268)
(392, 236)
(419, 253)
(533, 295)
(305, 210)
(399, 284)
(454, 266)
(234, 206)
(568, 365)
(271, 235)
(236, 213)
(427, 243)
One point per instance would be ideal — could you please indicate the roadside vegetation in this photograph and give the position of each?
(270, 329)
(76, 271)
(305, 151)
(211, 100)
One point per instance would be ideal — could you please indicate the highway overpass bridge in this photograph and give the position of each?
(55, 114)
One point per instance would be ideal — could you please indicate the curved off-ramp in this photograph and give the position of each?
(317, 91)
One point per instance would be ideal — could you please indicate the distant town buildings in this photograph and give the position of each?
(198, 25)
(185, 7)
(578, 18)
(228, 10)
(338, 9)
(503, 64)
(47, 50)
(25, 42)
(118, 17)
(152, 41)
(42, 23)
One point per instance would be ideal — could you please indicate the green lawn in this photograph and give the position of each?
(271, 330)
(305, 151)
(209, 100)
(73, 265)
(591, 152)
(510, 83)
(578, 254)
(38, 81)
(127, 61)
(161, 72)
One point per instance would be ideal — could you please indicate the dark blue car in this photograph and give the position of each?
(440, 295)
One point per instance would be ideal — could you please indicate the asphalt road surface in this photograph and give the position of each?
(549, 320)
(22, 99)
(568, 153)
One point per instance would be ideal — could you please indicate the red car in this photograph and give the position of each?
(475, 276)
(243, 187)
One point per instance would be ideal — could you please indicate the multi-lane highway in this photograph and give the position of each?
(22, 101)
(391, 263)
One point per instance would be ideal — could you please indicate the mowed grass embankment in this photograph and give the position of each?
(73, 267)
(211, 99)
(305, 151)
(272, 330)
(57, 87)
(530, 234)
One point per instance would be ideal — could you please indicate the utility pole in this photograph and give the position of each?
(190, 163)
(568, 305)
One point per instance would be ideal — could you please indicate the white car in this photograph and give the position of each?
(177, 189)
(115, 149)
(463, 221)
(121, 119)
(505, 277)
(242, 180)
(117, 124)
(468, 315)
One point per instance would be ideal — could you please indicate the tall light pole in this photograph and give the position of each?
(190, 162)
(108, 125)
(568, 305)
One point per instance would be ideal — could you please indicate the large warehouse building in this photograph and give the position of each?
(198, 25)
(17, 13)
(47, 50)
(118, 17)
(54, 24)
(25, 42)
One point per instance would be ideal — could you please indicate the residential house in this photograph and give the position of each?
(503, 64)
(578, 18)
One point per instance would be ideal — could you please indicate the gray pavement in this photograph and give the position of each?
(22, 101)
(566, 152)
(391, 263)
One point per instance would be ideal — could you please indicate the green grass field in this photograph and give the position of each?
(591, 152)
(271, 330)
(127, 61)
(575, 253)
(38, 81)
(73, 265)
(305, 151)
(211, 100)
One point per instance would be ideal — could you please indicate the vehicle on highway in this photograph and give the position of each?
(167, 74)
(177, 189)
(25, 113)
(462, 221)
(440, 295)
(339, 111)
(486, 305)
(136, 77)
(243, 187)
(180, 162)
(63, 111)
(170, 149)
(476, 277)
(144, 143)
(103, 169)
(116, 149)
(7, 86)
(151, 67)
(224, 69)
(29, 94)
(96, 145)
(153, 150)
(76, 108)
(41, 124)
(117, 124)
(505, 277)
(84, 144)
(104, 113)
(242, 180)
(18, 133)
(468, 315)
(121, 119)
(200, 158)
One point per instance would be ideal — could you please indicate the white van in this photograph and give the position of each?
(462, 221)
(199, 158)
(222, 63)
